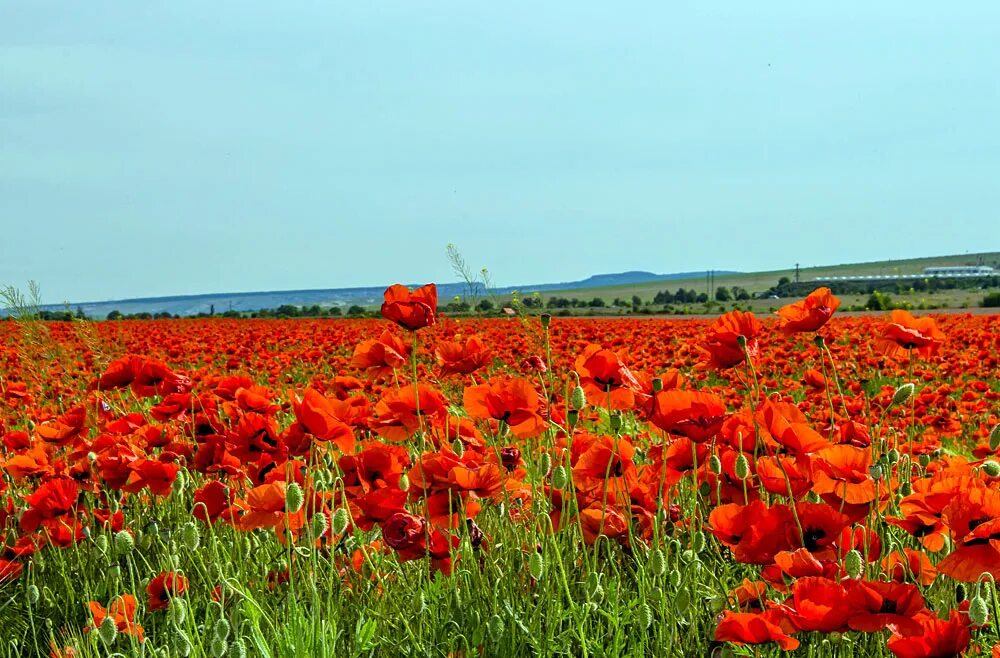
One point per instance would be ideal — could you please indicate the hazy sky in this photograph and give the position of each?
(151, 148)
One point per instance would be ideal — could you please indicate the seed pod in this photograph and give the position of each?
(546, 320)
(892, 456)
(559, 478)
(657, 563)
(979, 612)
(536, 565)
(294, 497)
(715, 464)
(124, 543)
(875, 471)
(903, 393)
(578, 398)
(108, 630)
(854, 564)
(742, 467)
(991, 468)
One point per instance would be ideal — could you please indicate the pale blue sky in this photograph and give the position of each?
(151, 148)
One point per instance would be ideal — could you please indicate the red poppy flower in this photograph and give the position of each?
(382, 355)
(323, 418)
(879, 605)
(936, 638)
(754, 628)
(606, 379)
(906, 332)
(819, 604)
(122, 612)
(211, 501)
(722, 344)
(811, 313)
(411, 310)
(163, 587)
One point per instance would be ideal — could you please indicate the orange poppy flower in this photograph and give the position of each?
(462, 358)
(122, 613)
(843, 471)
(396, 417)
(411, 310)
(722, 344)
(382, 355)
(936, 638)
(810, 314)
(322, 417)
(877, 605)
(510, 400)
(606, 379)
(694, 414)
(906, 332)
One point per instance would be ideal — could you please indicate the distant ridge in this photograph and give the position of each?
(187, 305)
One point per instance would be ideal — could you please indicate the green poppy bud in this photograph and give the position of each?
(178, 611)
(458, 447)
(675, 578)
(238, 649)
(404, 482)
(991, 468)
(995, 437)
(218, 648)
(320, 524)
(221, 629)
(294, 497)
(124, 543)
(341, 520)
(181, 643)
(645, 616)
(979, 612)
(742, 467)
(657, 563)
(536, 565)
(33, 594)
(559, 478)
(578, 398)
(190, 536)
(108, 630)
(715, 464)
(545, 463)
(903, 393)
(854, 564)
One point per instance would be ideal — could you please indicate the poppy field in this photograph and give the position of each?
(803, 484)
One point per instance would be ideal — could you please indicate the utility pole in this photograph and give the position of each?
(796, 272)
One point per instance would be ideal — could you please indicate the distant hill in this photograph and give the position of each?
(186, 305)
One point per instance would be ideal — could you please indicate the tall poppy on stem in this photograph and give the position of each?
(411, 310)
(723, 345)
(905, 332)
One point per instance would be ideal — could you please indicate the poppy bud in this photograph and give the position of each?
(178, 611)
(495, 627)
(594, 589)
(114, 572)
(404, 482)
(906, 488)
(32, 594)
(108, 630)
(536, 565)
(190, 536)
(657, 563)
(995, 437)
(893, 456)
(559, 477)
(578, 398)
(682, 600)
(657, 384)
(646, 615)
(715, 464)
(238, 649)
(218, 648)
(545, 463)
(101, 542)
(991, 468)
(181, 643)
(458, 447)
(854, 564)
(615, 421)
(341, 519)
(124, 543)
(742, 467)
(979, 613)
(221, 629)
(903, 393)
(294, 497)
(91, 457)
(924, 460)
(699, 542)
